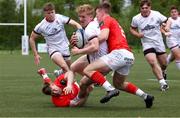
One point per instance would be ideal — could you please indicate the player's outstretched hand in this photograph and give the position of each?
(73, 39)
(37, 59)
(68, 90)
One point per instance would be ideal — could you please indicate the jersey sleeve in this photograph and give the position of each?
(37, 29)
(92, 32)
(161, 17)
(64, 19)
(134, 22)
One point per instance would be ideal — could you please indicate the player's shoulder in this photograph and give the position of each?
(170, 19)
(178, 18)
(138, 16)
(60, 16)
(155, 13)
(93, 24)
(40, 24)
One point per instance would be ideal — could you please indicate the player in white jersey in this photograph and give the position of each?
(148, 23)
(172, 32)
(52, 29)
(93, 49)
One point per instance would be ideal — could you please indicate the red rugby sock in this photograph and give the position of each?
(98, 78)
(131, 88)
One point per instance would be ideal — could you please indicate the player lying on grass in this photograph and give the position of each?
(58, 90)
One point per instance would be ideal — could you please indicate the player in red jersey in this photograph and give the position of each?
(61, 97)
(120, 58)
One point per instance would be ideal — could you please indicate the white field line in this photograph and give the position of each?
(166, 80)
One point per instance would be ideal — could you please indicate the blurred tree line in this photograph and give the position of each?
(10, 36)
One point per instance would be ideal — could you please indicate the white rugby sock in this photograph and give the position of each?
(108, 86)
(45, 76)
(162, 82)
(178, 64)
(141, 94)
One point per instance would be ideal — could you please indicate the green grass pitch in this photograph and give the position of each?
(20, 92)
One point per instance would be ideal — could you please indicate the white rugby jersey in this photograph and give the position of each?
(54, 32)
(91, 31)
(175, 28)
(149, 26)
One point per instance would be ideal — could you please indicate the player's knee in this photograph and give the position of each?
(65, 67)
(152, 62)
(87, 72)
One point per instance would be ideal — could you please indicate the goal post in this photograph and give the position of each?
(24, 38)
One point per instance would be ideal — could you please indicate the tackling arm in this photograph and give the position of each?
(75, 24)
(103, 36)
(91, 47)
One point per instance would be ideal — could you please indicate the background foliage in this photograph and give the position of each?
(10, 36)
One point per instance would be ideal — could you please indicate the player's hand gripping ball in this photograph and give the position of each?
(81, 41)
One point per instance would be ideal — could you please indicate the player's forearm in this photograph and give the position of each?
(168, 25)
(70, 78)
(90, 49)
(33, 46)
(103, 36)
(136, 33)
(75, 24)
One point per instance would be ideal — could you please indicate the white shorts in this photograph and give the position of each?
(172, 42)
(160, 47)
(119, 60)
(65, 53)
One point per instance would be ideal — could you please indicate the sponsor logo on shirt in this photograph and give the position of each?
(148, 27)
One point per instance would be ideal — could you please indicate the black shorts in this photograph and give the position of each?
(152, 50)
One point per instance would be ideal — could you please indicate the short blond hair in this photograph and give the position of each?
(88, 9)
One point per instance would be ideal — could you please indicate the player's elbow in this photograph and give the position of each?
(131, 30)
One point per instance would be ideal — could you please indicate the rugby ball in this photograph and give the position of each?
(80, 38)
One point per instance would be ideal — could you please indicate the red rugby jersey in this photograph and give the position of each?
(64, 100)
(117, 38)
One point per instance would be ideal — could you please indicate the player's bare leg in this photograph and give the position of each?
(163, 64)
(152, 60)
(176, 53)
(119, 83)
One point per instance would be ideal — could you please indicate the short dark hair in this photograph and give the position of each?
(145, 2)
(48, 6)
(174, 7)
(106, 6)
(46, 89)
